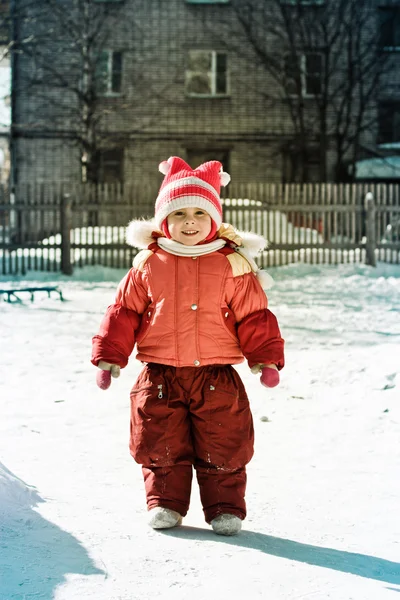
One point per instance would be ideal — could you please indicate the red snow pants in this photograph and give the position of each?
(185, 417)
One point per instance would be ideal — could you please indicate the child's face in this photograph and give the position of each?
(189, 226)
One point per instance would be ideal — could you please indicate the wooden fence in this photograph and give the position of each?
(52, 227)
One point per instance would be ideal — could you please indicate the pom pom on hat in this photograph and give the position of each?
(164, 167)
(225, 178)
(183, 187)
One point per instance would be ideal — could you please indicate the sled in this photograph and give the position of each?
(12, 295)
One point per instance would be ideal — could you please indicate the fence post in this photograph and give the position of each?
(370, 228)
(66, 226)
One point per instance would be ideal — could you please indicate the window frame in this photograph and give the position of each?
(109, 92)
(213, 73)
(304, 74)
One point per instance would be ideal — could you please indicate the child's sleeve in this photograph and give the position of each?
(257, 327)
(117, 334)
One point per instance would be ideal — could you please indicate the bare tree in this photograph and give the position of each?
(323, 62)
(71, 61)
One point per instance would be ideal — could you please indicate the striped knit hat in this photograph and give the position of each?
(183, 187)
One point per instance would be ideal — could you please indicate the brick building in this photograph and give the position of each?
(198, 78)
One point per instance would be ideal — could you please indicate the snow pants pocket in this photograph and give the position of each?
(222, 423)
(160, 425)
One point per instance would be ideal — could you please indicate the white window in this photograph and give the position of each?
(305, 75)
(207, 73)
(109, 73)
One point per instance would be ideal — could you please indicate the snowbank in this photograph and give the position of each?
(15, 494)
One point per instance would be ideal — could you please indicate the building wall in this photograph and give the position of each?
(248, 161)
(41, 160)
(153, 117)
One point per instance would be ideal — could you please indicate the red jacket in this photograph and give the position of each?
(190, 311)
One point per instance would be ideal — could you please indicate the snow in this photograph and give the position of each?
(323, 487)
(387, 167)
(5, 93)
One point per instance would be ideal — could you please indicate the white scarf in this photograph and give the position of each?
(173, 247)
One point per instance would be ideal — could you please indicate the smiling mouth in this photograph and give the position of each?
(190, 232)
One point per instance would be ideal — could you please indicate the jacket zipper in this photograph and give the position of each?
(160, 394)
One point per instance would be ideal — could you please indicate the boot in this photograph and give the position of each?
(164, 518)
(226, 524)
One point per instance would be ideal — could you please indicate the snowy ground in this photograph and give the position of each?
(324, 485)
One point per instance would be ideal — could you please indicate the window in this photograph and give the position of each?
(110, 165)
(109, 73)
(207, 73)
(389, 28)
(305, 72)
(389, 122)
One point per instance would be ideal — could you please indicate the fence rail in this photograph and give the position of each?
(52, 227)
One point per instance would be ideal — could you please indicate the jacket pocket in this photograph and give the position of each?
(229, 322)
(145, 324)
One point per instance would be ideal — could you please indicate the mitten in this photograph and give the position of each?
(269, 374)
(103, 377)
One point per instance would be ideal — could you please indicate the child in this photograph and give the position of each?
(194, 305)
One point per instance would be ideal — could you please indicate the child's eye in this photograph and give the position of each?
(200, 212)
(178, 213)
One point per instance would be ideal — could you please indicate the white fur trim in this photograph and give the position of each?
(252, 242)
(164, 167)
(138, 233)
(265, 279)
(225, 178)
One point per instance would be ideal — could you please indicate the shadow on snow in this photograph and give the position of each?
(35, 554)
(362, 565)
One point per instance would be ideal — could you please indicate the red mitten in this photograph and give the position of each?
(269, 377)
(103, 376)
(103, 379)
